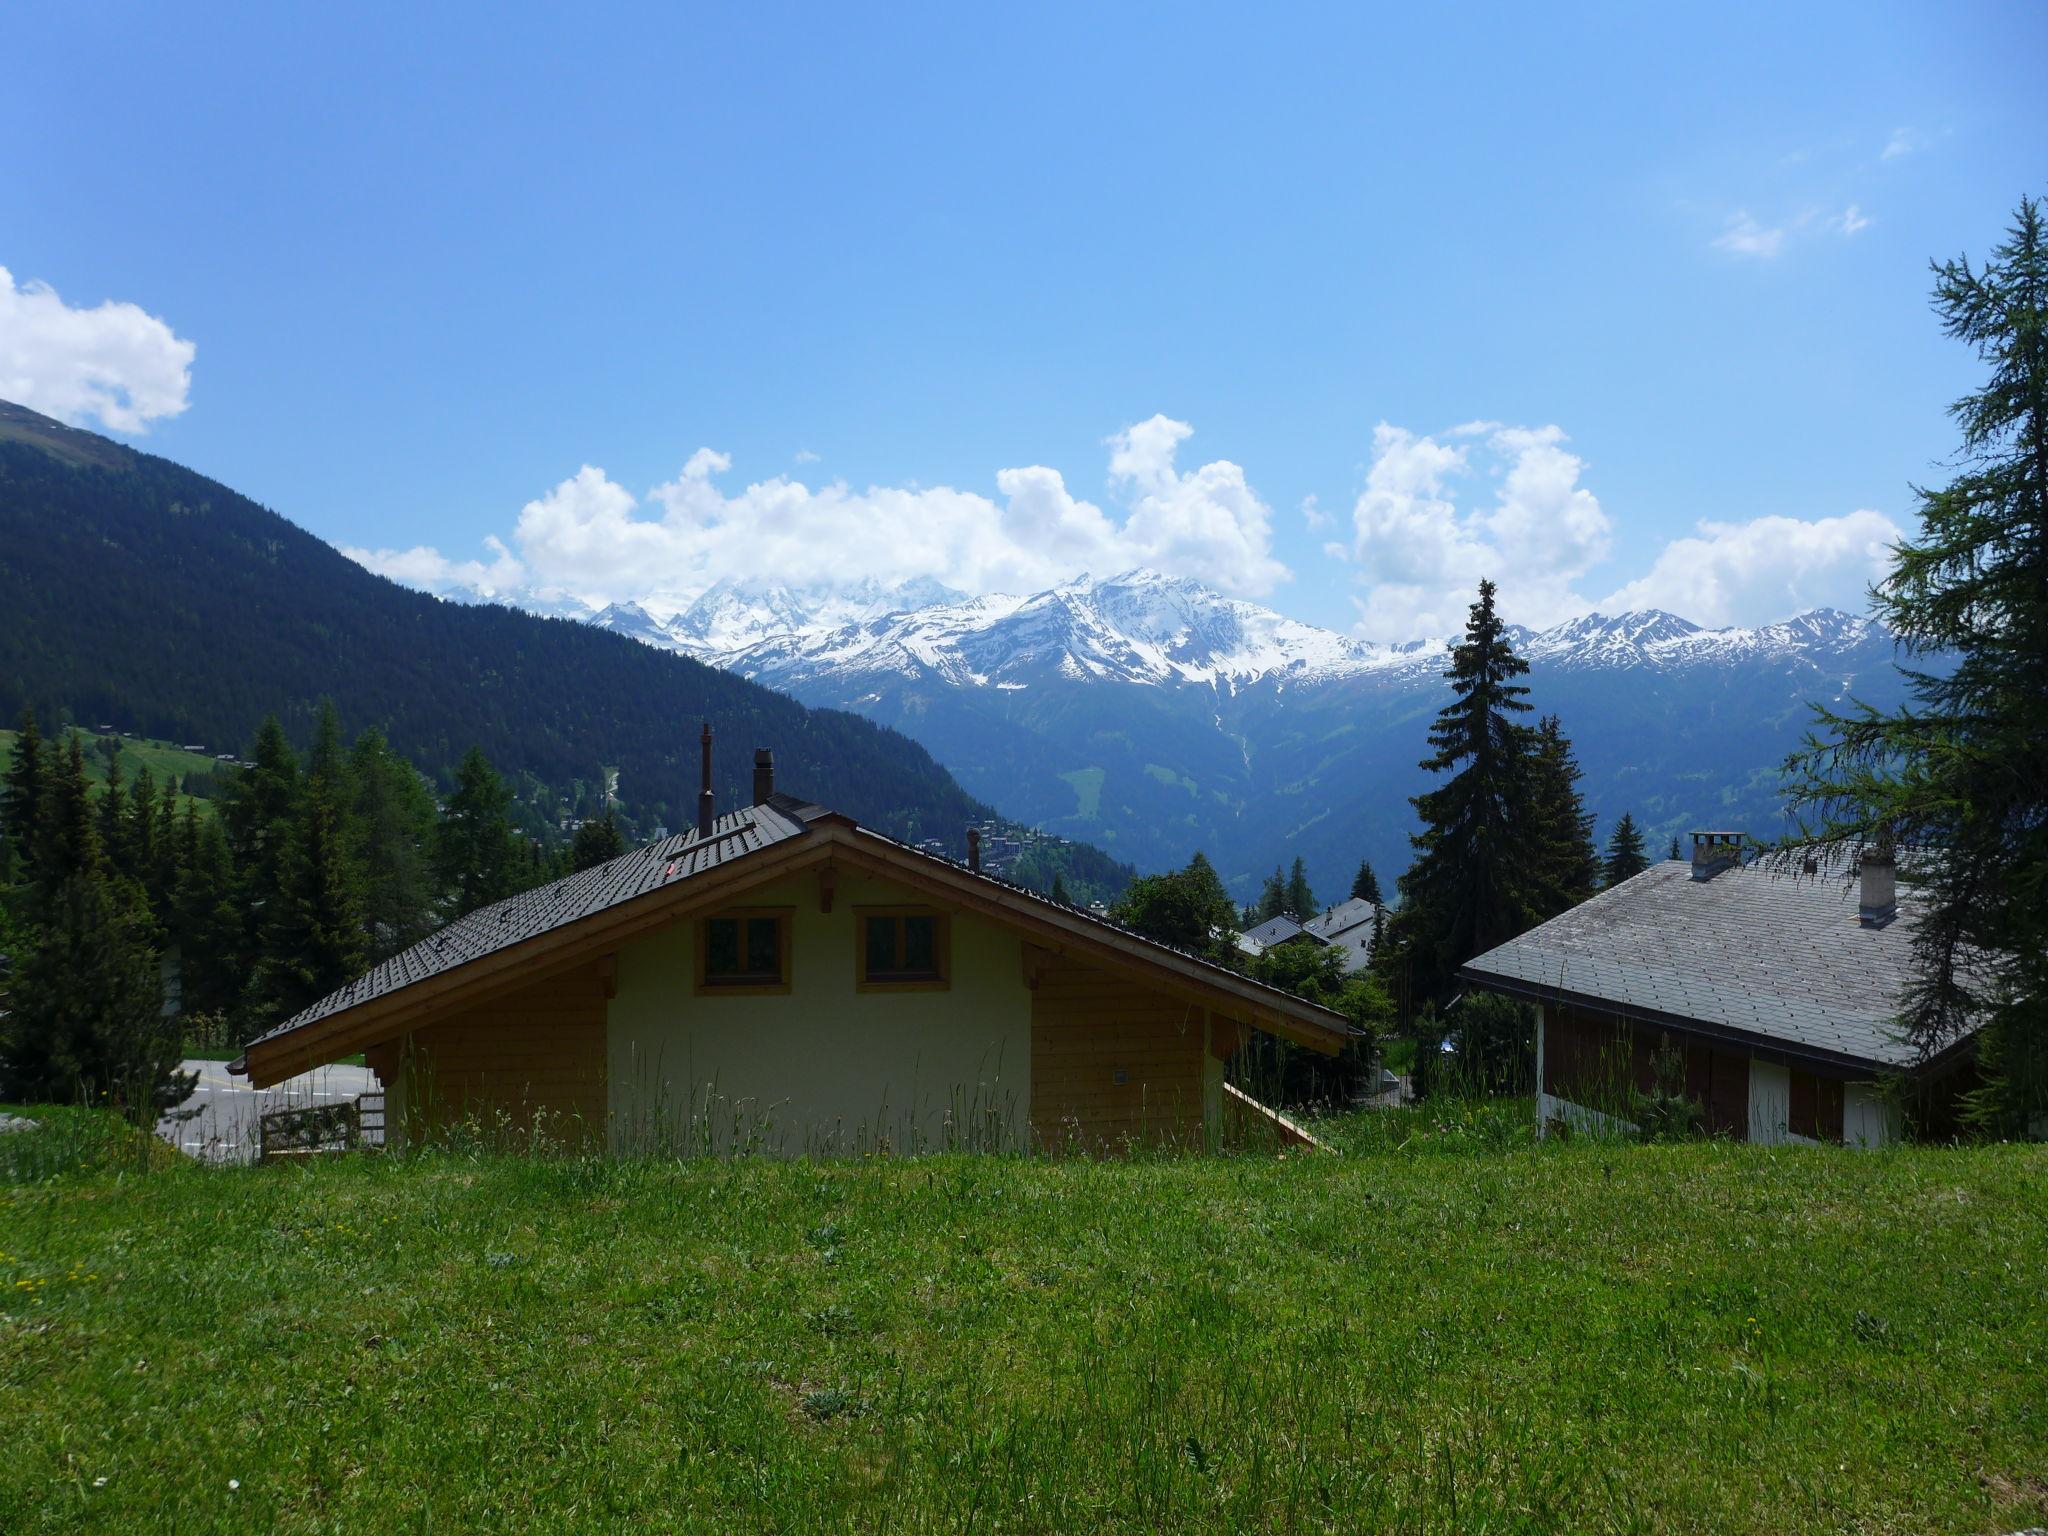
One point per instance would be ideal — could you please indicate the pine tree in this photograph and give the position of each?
(1957, 782)
(206, 921)
(66, 841)
(1674, 847)
(87, 1023)
(1272, 896)
(475, 857)
(141, 858)
(112, 810)
(311, 935)
(1059, 890)
(596, 842)
(21, 794)
(1625, 856)
(258, 809)
(394, 823)
(1365, 885)
(1469, 887)
(1301, 900)
(1568, 860)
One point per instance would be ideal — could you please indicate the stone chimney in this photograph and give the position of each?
(974, 849)
(1877, 896)
(704, 796)
(1713, 852)
(764, 775)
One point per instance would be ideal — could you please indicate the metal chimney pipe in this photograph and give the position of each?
(764, 775)
(974, 849)
(704, 797)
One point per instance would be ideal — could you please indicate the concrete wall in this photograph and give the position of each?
(822, 1067)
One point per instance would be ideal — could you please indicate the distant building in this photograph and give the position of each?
(1770, 995)
(1348, 926)
(1274, 932)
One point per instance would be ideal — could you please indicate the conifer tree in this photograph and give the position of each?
(206, 921)
(1957, 781)
(86, 1022)
(1674, 846)
(1272, 896)
(475, 857)
(1059, 889)
(1625, 856)
(112, 809)
(1568, 860)
(1469, 887)
(1365, 885)
(259, 809)
(596, 842)
(66, 842)
(141, 857)
(394, 824)
(1301, 900)
(21, 794)
(311, 935)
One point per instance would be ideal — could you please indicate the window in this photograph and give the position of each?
(903, 948)
(744, 951)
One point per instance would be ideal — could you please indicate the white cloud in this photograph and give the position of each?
(1764, 569)
(1902, 142)
(114, 362)
(1313, 514)
(804, 456)
(1421, 558)
(431, 571)
(1852, 220)
(1745, 237)
(592, 539)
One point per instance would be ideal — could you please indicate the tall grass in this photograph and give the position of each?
(1455, 1328)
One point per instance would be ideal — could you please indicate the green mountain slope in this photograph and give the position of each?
(135, 591)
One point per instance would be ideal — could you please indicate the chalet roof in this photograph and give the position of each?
(1344, 916)
(734, 836)
(564, 901)
(1275, 930)
(1769, 955)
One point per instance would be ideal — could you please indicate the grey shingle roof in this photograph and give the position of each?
(1274, 930)
(576, 896)
(1344, 916)
(1773, 954)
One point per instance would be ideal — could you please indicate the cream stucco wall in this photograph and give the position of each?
(823, 1067)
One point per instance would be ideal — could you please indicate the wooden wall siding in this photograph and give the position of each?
(1594, 1059)
(541, 1049)
(1086, 1026)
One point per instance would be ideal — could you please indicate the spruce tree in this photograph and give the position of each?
(87, 1023)
(1674, 847)
(1957, 781)
(311, 935)
(475, 857)
(1272, 896)
(394, 824)
(66, 841)
(21, 793)
(1568, 860)
(112, 810)
(258, 809)
(1470, 885)
(1365, 885)
(1301, 900)
(1059, 890)
(596, 842)
(1625, 856)
(206, 920)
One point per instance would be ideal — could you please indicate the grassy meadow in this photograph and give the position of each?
(1448, 1328)
(163, 759)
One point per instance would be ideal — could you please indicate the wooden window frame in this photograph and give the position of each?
(784, 920)
(942, 943)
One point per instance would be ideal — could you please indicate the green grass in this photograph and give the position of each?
(1086, 784)
(1469, 1333)
(163, 759)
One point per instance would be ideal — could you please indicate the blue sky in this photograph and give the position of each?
(962, 278)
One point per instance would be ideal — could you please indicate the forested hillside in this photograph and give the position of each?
(135, 591)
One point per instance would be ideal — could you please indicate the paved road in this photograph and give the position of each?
(224, 1130)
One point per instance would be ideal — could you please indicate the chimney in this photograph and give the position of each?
(764, 775)
(974, 849)
(1877, 898)
(1713, 852)
(704, 797)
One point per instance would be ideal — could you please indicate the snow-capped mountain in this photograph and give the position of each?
(1153, 716)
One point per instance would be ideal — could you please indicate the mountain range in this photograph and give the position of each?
(1153, 716)
(137, 592)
